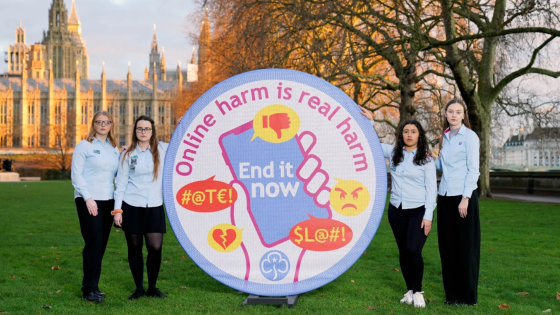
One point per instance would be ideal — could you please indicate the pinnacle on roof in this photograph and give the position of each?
(193, 59)
(73, 19)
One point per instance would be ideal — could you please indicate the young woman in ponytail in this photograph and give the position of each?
(458, 216)
(94, 165)
(139, 204)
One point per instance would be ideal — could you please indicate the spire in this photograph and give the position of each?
(74, 19)
(193, 58)
(146, 73)
(154, 41)
(205, 28)
(163, 56)
(19, 23)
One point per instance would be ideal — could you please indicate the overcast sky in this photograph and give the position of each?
(115, 31)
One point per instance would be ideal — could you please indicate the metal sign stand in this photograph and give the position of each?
(289, 300)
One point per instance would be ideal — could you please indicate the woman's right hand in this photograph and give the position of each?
(118, 219)
(91, 206)
(366, 113)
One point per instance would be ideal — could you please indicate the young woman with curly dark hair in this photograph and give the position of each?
(413, 199)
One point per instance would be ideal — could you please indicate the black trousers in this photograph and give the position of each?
(95, 231)
(459, 248)
(410, 241)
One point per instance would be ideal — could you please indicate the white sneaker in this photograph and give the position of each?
(407, 297)
(419, 299)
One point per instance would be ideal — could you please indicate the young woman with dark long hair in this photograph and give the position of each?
(458, 213)
(139, 204)
(94, 166)
(412, 203)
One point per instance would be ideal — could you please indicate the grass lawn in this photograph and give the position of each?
(39, 230)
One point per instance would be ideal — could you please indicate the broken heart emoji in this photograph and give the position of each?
(224, 239)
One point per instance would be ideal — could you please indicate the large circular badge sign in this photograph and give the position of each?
(274, 183)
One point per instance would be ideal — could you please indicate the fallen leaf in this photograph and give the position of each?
(491, 249)
(365, 253)
(557, 296)
(118, 253)
(165, 261)
(55, 268)
(361, 290)
(66, 220)
(57, 292)
(57, 258)
(183, 287)
(118, 231)
(547, 311)
(52, 247)
(429, 300)
(23, 277)
(395, 269)
(199, 305)
(183, 258)
(504, 306)
(522, 293)
(47, 307)
(3, 312)
(352, 281)
(14, 276)
(370, 307)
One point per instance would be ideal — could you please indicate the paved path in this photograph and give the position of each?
(529, 198)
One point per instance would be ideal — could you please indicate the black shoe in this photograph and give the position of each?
(155, 292)
(93, 297)
(100, 293)
(138, 293)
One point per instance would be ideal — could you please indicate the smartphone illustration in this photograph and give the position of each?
(276, 200)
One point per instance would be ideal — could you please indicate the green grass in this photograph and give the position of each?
(39, 229)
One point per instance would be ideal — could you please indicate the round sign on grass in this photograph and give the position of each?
(274, 183)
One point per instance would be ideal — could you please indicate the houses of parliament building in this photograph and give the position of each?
(47, 99)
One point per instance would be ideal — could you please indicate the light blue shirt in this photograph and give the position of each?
(94, 166)
(135, 179)
(459, 162)
(412, 185)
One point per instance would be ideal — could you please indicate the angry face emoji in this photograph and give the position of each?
(349, 197)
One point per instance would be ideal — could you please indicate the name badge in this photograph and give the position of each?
(96, 151)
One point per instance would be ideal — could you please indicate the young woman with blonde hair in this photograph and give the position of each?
(139, 204)
(94, 166)
(458, 214)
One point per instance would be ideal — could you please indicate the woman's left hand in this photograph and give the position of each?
(427, 226)
(463, 207)
(179, 121)
(366, 113)
(124, 148)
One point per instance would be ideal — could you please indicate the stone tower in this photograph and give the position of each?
(64, 44)
(156, 63)
(17, 53)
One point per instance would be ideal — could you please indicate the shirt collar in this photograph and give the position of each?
(140, 150)
(95, 139)
(413, 151)
(461, 130)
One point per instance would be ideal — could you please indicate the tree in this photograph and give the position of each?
(371, 50)
(472, 33)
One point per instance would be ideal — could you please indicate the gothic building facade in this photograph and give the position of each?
(48, 101)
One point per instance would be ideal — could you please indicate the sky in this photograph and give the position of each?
(115, 31)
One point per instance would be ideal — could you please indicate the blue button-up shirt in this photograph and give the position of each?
(135, 179)
(412, 185)
(94, 166)
(459, 162)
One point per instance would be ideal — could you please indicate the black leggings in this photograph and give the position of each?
(154, 242)
(410, 240)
